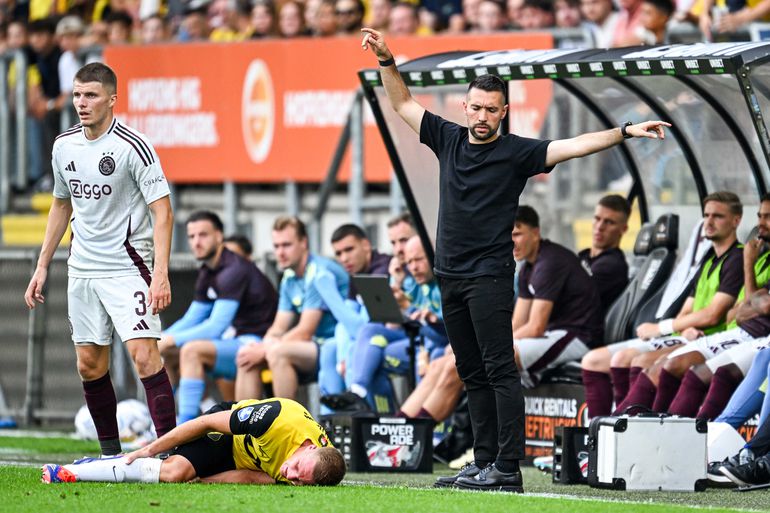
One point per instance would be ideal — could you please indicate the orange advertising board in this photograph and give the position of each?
(270, 111)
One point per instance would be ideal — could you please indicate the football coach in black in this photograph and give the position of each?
(481, 175)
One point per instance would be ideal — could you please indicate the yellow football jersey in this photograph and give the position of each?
(267, 432)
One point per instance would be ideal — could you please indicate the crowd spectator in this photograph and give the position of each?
(513, 12)
(325, 23)
(48, 109)
(291, 19)
(194, 26)
(378, 15)
(120, 25)
(233, 21)
(403, 20)
(628, 28)
(263, 19)
(18, 39)
(567, 13)
(154, 30)
(655, 15)
(536, 14)
(602, 18)
(491, 16)
(471, 14)
(68, 33)
(350, 16)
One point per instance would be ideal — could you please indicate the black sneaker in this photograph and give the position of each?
(754, 473)
(491, 479)
(715, 477)
(714, 473)
(346, 402)
(467, 470)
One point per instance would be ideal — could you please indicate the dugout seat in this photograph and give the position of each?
(668, 300)
(661, 246)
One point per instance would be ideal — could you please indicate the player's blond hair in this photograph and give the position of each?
(330, 468)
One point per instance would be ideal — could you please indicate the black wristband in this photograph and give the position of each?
(387, 62)
(623, 131)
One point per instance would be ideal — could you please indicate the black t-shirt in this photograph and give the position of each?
(479, 189)
(758, 326)
(239, 279)
(609, 271)
(558, 276)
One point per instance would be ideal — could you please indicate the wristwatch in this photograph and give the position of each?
(623, 132)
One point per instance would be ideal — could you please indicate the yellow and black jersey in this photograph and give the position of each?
(267, 432)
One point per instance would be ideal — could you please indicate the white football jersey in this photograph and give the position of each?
(110, 181)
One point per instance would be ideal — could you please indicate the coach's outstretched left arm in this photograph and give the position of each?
(586, 144)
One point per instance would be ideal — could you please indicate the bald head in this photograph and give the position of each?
(416, 261)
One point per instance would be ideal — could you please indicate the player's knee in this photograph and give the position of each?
(89, 369)
(677, 366)
(624, 358)
(192, 351)
(176, 469)
(276, 353)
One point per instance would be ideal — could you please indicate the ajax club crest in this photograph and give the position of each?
(107, 165)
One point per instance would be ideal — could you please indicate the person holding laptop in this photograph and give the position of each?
(380, 346)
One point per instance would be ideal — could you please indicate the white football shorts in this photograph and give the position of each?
(96, 306)
(714, 344)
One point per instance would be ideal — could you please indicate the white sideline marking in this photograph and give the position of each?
(582, 498)
(29, 433)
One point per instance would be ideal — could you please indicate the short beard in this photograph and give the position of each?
(491, 133)
(208, 256)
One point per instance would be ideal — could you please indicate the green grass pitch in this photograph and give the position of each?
(22, 491)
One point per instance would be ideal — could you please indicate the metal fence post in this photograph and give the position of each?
(36, 334)
(5, 138)
(356, 184)
(20, 62)
(230, 205)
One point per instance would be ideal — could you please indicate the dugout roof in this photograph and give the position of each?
(715, 96)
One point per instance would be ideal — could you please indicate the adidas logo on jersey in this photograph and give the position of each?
(71, 167)
(141, 326)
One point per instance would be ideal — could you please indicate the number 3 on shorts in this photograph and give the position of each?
(141, 310)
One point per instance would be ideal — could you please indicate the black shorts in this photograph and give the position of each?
(210, 454)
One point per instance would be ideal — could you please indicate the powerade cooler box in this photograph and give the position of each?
(647, 453)
(382, 444)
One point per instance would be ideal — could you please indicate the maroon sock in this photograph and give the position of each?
(723, 384)
(642, 393)
(668, 384)
(620, 383)
(689, 397)
(633, 373)
(160, 401)
(598, 390)
(103, 405)
(425, 414)
(400, 414)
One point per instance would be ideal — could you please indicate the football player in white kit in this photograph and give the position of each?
(107, 181)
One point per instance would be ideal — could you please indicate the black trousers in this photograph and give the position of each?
(477, 315)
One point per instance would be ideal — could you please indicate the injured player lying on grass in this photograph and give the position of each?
(250, 442)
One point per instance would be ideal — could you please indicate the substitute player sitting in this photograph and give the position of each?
(229, 291)
(109, 176)
(250, 442)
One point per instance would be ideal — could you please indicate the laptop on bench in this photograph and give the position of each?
(378, 298)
